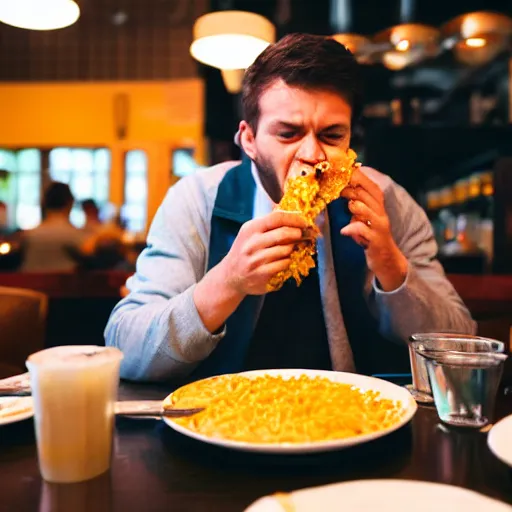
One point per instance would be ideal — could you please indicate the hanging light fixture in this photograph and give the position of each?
(232, 79)
(408, 43)
(397, 60)
(39, 14)
(356, 44)
(231, 39)
(341, 23)
(477, 37)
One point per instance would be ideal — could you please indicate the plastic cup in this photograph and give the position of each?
(74, 390)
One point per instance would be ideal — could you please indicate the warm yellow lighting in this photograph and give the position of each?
(5, 248)
(475, 42)
(398, 60)
(233, 79)
(487, 184)
(403, 45)
(476, 24)
(477, 51)
(39, 14)
(355, 44)
(231, 39)
(479, 36)
(409, 43)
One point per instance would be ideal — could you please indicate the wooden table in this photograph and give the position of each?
(155, 468)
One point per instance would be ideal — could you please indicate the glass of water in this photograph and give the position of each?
(464, 378)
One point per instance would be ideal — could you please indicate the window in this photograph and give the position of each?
(28, 177)
(22, 189)
(183, 162)
(7, 183)
(135, 191)
(87, 172)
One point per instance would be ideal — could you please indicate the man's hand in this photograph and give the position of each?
(261, 250)
(370, 228)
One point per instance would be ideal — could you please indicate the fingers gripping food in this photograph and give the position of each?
(309, 193)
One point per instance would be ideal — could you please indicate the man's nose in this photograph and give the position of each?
(311, 151)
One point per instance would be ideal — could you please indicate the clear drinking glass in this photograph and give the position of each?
(440, 341)
(74, 390)
(464, 379)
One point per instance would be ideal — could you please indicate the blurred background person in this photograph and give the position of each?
(8, 229)
(4, 219)
(10, 244)
(92, 216)
(49, 246)
(104, 247)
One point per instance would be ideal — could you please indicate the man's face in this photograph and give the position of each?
(296, 127)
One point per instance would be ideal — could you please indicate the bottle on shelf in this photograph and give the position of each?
(462, 219)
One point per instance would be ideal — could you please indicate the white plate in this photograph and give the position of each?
(500, 440)
(13, 408)
(386, 389)
(381, 495)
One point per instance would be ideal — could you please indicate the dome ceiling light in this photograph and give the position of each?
(231, 41)
(477, 37)
(39, 14)
(407, 44)
(359, 45)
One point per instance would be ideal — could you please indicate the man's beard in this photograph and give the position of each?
(268, 177)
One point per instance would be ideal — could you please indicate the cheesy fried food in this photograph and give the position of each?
(309, 193)
(274, 409)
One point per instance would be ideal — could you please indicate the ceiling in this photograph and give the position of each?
(112, 40)
(149, 39)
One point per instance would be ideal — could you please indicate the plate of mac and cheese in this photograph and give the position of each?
(290, 411)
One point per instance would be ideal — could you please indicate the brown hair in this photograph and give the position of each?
(302, 60)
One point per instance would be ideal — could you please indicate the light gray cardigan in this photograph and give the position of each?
(157, 325)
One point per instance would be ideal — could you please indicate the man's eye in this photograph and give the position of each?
(287, 135)
(334, 136)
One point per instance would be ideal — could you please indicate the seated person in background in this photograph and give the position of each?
(103, 251)
(47, 247)
(7, 229)
(104, 248)
(4, 220)
(92, 216)
(198, 302)
(10, 244)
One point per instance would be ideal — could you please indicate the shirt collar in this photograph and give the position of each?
(263, 203)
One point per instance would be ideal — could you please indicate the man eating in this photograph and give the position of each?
(198, 304)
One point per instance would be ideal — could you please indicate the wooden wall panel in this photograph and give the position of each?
(152, 44)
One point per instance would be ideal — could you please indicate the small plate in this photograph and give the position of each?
(500, 440)
(13, 409)
(382, 495)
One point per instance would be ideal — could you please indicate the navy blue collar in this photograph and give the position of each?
(235, 196)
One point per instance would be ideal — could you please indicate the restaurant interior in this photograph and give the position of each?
(122, 99)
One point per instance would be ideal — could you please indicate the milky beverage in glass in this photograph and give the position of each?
(74, 390)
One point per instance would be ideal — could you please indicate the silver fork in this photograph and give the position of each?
(152, 408)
